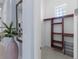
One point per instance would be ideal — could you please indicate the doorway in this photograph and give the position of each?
(57, 30)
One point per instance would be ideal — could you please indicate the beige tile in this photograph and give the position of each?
(49, 53)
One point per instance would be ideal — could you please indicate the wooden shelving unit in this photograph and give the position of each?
(53, 33)
(64, 45)
(63, 34)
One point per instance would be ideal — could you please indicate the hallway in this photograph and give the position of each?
(48, 53)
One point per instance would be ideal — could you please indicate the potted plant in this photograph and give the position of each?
(9, 41)
(9, 30)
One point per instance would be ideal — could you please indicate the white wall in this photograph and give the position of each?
(9, 11)
(52, 4)
(13, 11)
(46, 34)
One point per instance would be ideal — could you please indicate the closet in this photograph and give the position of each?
(62, 33)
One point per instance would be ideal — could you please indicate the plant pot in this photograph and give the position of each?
(10, 47)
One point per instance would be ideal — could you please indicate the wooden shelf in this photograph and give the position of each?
(57, 33)
(57, 47)
(68, 34)
(55, 41)
(65, 16)
(57, 23)
(65, 34)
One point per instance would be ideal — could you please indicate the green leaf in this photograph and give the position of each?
(6, 31)
(10, 28)
(9, 31)
(11, 25)
(5, 25)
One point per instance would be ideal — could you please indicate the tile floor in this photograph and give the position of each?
(50, 53)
